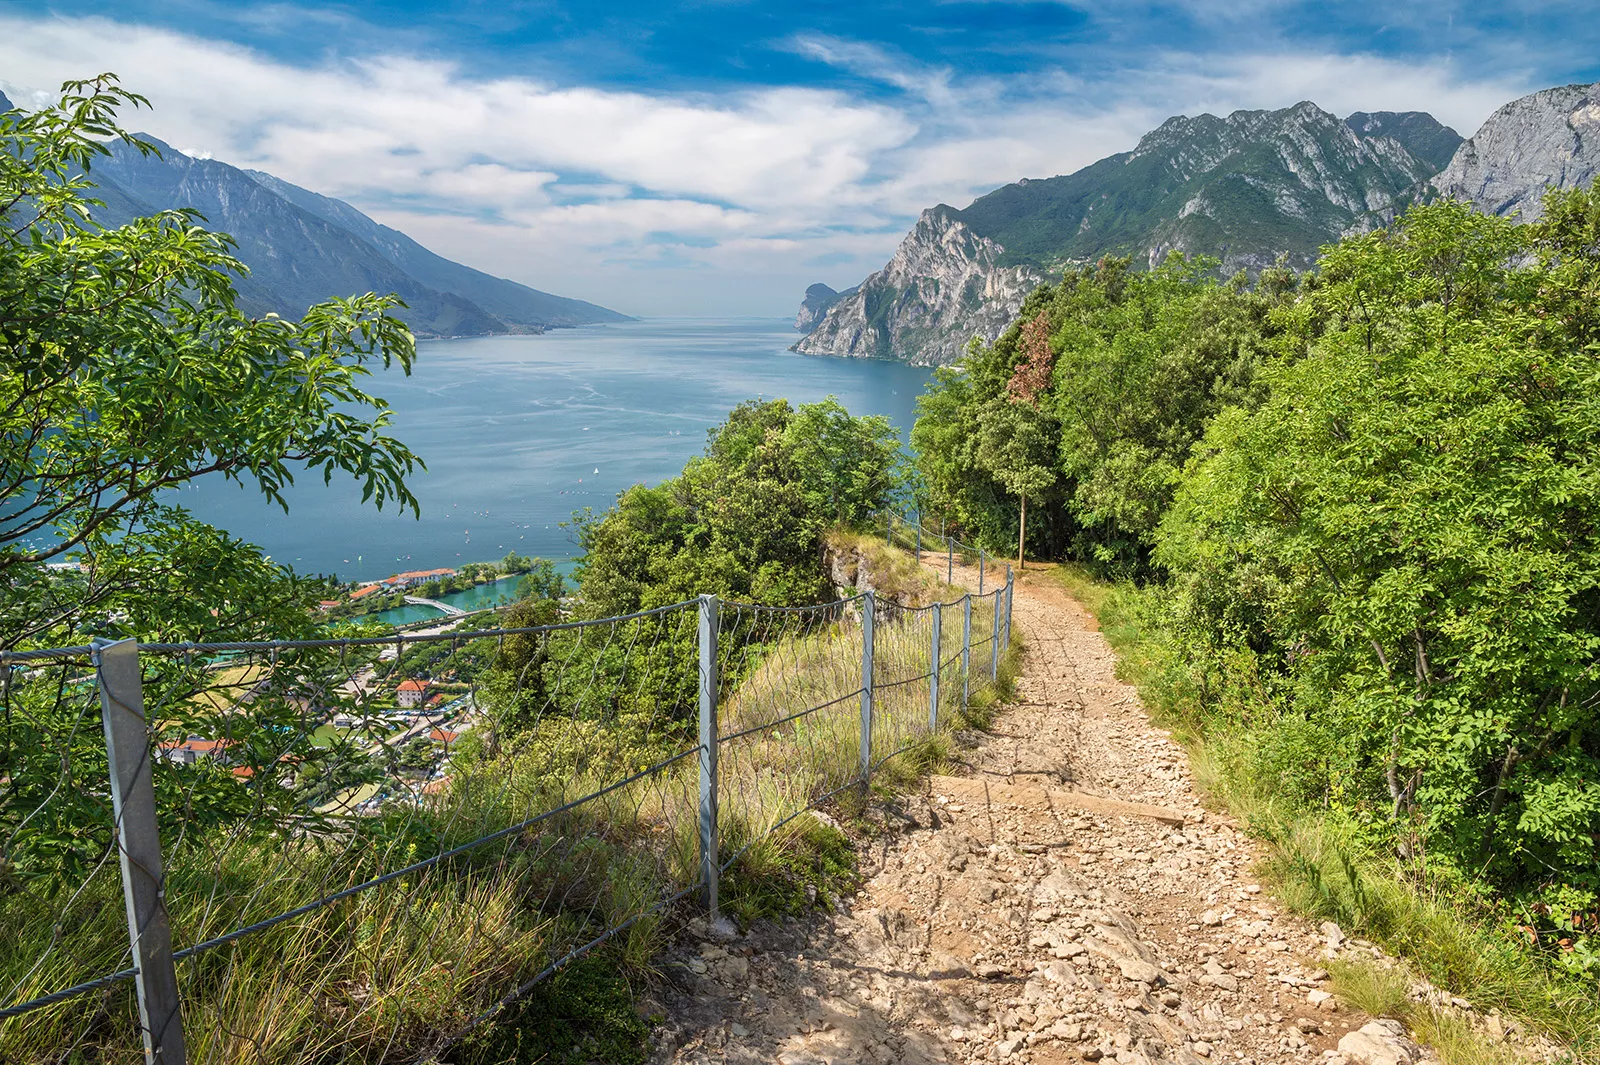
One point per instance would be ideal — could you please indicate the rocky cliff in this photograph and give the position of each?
(944, 286)
(1246, 189)
(1549, 139)
(819, 298)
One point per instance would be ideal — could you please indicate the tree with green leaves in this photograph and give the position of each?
(1402, 538)
(126, 372)
(1014, 448)
(746, 519)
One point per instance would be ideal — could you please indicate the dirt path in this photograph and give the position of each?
(1000, 921)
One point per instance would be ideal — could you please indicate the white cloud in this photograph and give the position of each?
(581, 190)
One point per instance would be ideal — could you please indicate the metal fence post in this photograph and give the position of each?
(708, 751)
(868, 610)
(1010, 584)
(994, 640)
(966, 650)
(949, 558)
(933, 676)
(133, 805)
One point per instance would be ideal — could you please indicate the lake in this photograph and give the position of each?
(521, 431)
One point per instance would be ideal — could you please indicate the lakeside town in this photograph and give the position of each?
(393, 721)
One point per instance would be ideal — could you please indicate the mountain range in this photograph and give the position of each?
(1248, 189)
(303, 248)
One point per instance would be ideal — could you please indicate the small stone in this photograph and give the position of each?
(1381, 1042)
(1222, 980)
(696, 966)
(739, 1031)
(1252, 889)
(990, 971)
(1140, 972)
(722, 930)
(1201, 1047)
(1211, 918)
(1093, 1054)
(1172, 1000)
(1320, 999)
(1007, 1048)
(1333, 934)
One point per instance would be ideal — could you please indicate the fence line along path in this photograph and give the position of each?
(1068, 900)
(366, 848)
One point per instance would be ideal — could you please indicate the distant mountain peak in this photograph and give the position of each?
(1246, 188)
(1547, 139)
(303, 248)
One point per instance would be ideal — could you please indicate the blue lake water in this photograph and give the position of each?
(521, 431)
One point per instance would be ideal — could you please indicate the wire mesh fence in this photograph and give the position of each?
(364, 849)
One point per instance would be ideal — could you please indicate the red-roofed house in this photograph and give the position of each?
(415, 576)
(444, 736)
(411, 692)
(366, 590)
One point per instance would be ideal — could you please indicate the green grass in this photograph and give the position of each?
(1320, 869)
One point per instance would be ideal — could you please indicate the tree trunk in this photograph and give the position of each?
(1022, 533)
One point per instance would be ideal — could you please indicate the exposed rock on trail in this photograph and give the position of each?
(1023, 914)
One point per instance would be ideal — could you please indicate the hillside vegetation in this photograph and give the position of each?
(1357, 515)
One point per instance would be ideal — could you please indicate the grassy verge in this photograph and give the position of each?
(1320, 870)
(386, 973)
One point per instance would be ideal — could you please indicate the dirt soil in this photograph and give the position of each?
(1010, 916)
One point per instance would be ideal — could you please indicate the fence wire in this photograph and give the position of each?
(373, 846)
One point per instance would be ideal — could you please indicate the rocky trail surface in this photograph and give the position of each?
(1018, 913)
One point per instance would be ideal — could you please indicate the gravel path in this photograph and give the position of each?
(1001, 920)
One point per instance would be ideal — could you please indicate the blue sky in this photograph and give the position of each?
(715, 157)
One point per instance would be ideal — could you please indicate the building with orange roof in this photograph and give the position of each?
(191, 750)
(412, 692)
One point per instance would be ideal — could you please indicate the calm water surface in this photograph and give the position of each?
(521, 431)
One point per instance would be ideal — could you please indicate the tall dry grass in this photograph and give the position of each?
(388, 974)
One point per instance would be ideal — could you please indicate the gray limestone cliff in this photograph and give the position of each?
(1548, 139)
(819, 298)
(944, 285)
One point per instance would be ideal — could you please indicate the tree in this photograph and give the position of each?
(542, 582)
(126, 371)
(1404, 533)
(1014, 448)
(746, 519)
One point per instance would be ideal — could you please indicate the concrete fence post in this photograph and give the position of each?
(708, 752)
(966, 650)
(933, 675)
(868, 612)
(133, 806)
